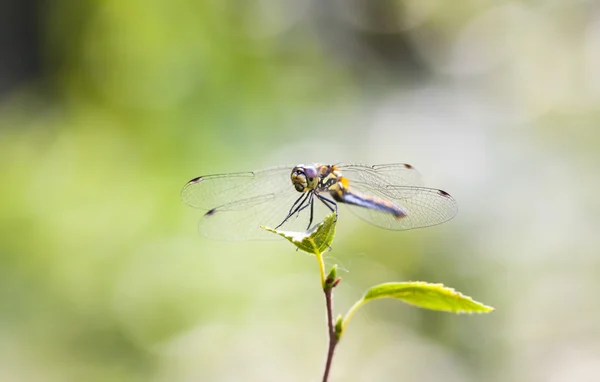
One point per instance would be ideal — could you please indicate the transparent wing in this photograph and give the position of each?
(380, 176)
(401, 184)
(424, 206)
(237, 204)
(208, 192)
(241, 220)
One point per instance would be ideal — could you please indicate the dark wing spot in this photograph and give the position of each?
(195, 180)
(210, 212)
(444, 193)
(409, 166)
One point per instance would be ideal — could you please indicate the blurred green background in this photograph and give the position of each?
(108, 107)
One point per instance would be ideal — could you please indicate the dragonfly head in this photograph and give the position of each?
(304, 177)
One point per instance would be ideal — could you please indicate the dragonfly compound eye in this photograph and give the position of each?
(299, 179)
(312, 176)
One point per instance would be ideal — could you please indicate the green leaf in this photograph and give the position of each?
(316, 240)
(428, 296)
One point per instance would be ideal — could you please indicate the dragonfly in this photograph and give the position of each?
(390, 196)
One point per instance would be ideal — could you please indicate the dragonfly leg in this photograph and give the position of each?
(302, 196)
(298, 207)
(303, 206)
(329, 203)
(312, 210)
(310, 200)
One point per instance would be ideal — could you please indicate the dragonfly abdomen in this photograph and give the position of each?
(366, 201)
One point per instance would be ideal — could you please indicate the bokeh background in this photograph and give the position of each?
(108, 107)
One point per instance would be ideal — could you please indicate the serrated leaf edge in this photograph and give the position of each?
(439, 286)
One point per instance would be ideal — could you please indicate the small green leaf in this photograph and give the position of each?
(316, 240)
(331, 277)
(338, 327)
(428, 296)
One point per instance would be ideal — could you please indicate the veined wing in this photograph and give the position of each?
(238, 204)
(208, 192)
(241, 220)
(382, 176)
(424, 206)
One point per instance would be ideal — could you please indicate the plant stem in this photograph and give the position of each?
(327, 286)
(333, 340)
(321, 269)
